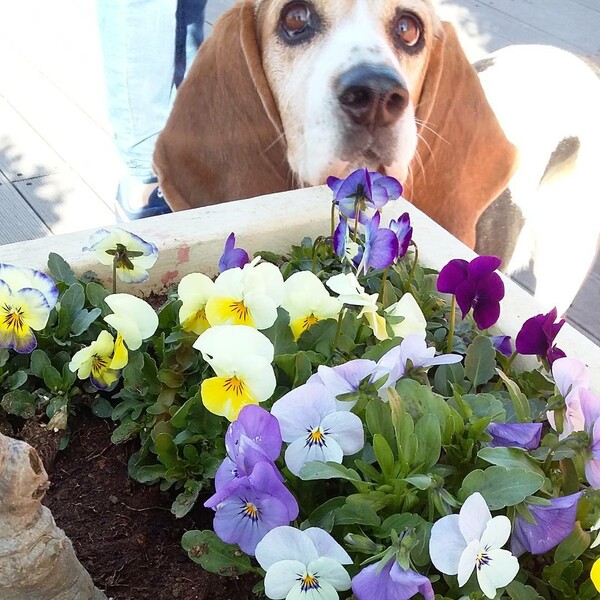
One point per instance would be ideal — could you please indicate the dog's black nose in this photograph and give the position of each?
(372, 95)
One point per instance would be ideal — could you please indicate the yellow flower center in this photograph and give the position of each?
(251, 511)
(308, 582)
(482, 560)
(316, 437)
(99, 364)
(14, 317)
(309, 321)
(235, 385)
(240, 310)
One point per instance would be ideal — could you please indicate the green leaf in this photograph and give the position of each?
(520, 591)
(573, 546)
(71, 303)
(20, 403)
(166, 450)
(379, 420)
(501, 486)
(102, 408)
(127, 430)
(186, 500)
(83, 320)
(95, 294)
(447, 374)
(511, 458)
(16, 380)
(214, 555)
(39, 361)
(486, 406)
(60, 269)
(356, 514)
(429, 441)
(52, 378)
(149, 473)
(421, 482)
(384, 455)
(329, 470)
(480, 362)
(171, 378)
(281, 335)
(399, 523)
(323, 516)
(518, 398)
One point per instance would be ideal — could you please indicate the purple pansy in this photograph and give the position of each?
(254, 437)
(254, 505)
(502, 344)
(519, 435)
(537, 336)
(553, 523)
(403, 230)
(343, 245)
(343, 379)
(362, 189)
(476, 285)
(590, 408)
(390, 582)
(232, 257)
(380, 246)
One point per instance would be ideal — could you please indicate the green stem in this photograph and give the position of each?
(506, 370)
(338, 330)
(114, 274)
(382, 287)
(451, 328)
(355, 232)
(314, 253)
(413, 267)
(332, 217)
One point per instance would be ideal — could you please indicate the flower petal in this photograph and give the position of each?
(501, 569)
(300, 452)
(474, 517)
(281, 577)
(326, 545)
(331, 571)
(285, 543)
(496, 533)
(446, 545)
(346, 429)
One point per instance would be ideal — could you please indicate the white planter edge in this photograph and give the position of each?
(192, 241)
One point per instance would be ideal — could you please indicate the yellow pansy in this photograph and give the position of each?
(194, 291)
(595, 574)
(95, 362)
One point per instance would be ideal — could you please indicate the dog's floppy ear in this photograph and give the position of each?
(464, 159)
(223, 138)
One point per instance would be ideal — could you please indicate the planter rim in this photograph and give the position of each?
(192, 241)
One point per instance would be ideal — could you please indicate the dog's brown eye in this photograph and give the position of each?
(408, 30)
(295, 18)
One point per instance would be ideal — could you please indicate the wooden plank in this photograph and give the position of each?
(564, 23)
(65, 203)
(18, 222)
(74, 136)
(23, 153)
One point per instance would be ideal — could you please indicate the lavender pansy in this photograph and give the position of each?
(390, 582)
(344, 246)
(553, 523)
(413, 348)
(380, 246)
(590, 408)
(254, 506)
(476, 285)
(519, 435)
(363, 189)
(403, 230)
(314, 429)
(538, 334)
(232, 257)
(343, 379)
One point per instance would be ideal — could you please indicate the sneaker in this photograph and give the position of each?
(156, 203)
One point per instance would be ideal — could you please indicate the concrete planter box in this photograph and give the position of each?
(192, 241)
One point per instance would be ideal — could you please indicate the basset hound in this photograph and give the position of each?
(503, 154)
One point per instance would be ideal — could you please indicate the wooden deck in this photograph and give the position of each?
(58, 167)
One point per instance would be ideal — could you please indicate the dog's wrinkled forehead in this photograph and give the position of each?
(353, 30)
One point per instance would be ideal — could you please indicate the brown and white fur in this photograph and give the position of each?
(504, 161)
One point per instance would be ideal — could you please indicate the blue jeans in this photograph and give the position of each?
(147, 47)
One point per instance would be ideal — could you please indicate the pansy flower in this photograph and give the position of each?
(241, 359)
(343, 244)
(403, 230)
(133, 256)
(476, 285)
(502, 344)
(303, 564)
(314, 429)
(194, 291)
(590, 408)
(96, 362)
(363, 189)
(472, 541)
(232, 257)
(307, 302)
(350, 292)
(554, 522)
(252, 506)
(134, 321)
(380, 248)
(413, 322)
(537, 336)
(26, 298)
(516, 435)
(390, 582)
(248, 296)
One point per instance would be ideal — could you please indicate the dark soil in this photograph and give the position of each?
(123, 532)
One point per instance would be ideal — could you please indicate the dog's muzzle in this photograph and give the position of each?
(372, 95)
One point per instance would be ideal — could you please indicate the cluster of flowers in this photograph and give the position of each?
(253, 507)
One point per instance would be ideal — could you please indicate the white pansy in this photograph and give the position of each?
(132, 317)
(413, 323)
